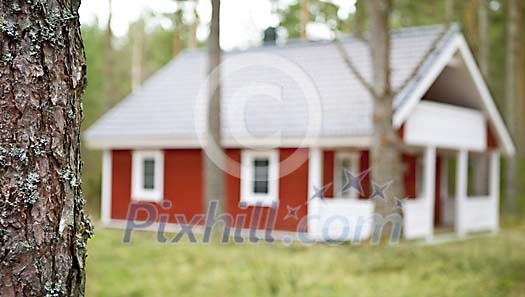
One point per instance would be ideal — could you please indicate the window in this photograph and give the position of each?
(478, 175)
(147, 176)
(349, 161)
(259, 177)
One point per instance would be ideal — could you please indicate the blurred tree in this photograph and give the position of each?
(510, 202)
(44, 229)
(214, 154)
(484, 38)
(359, 19)
(482, 168)
(136, 35)
(385, 155)
(293, 16)
(178, 31)
(305, 18)
(192, 38)
(109, 63)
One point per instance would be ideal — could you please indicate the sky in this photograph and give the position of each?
(242, 21)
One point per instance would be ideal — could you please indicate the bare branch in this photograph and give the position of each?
(421, 62)
(352, 66)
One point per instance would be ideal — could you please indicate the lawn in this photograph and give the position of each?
(484, 266)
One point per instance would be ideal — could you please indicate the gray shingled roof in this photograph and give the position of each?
(165, 106)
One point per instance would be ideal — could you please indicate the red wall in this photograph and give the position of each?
(182, 184)
(121, 183)
(293, 192)
(328, 172)
(365, 165)
(183, 181)
(410, 175)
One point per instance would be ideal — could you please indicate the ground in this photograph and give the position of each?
(483, 266)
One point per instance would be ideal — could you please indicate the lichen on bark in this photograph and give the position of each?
(43, 226)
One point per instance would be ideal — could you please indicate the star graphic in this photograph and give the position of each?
(319, 192)
(379, 191)
(292, 212)
(399, 203)
(353, 181)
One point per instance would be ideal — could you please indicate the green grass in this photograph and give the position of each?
(485, 266)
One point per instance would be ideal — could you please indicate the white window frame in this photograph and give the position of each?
(247, 174)
(138, 193)
(355, 159)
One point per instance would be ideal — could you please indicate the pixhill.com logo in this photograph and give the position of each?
(257, 222)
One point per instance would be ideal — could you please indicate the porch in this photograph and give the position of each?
(454, 156)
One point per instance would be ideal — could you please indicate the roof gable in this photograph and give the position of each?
(456, 48)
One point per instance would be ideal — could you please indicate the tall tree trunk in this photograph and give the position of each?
(192, 39)
(484, 38)
(214, 176)
(386, 162)
(305, 18)
(137, 35)
(109, 61)
(43, 227)
(510, 203)
(359, 19)
(177, 33)
(449, 11)
(521, 80)
(482, 168)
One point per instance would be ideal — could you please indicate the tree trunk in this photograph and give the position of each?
(137, 35)
(43, 227)
(386, 162)
(192, 40)
(305, 18)
(359, 19)
(510, 203)
(109, 61)
(482, 168)
(177, 32)
(449, 11)
(214, 176)
(484, 38)
(521, 80)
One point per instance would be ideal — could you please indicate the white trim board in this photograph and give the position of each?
(107, 174)
(458, 44)
(167, 142)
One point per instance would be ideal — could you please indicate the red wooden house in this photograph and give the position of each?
(293, 117)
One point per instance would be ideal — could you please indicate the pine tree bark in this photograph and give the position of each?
(385, 155)
(214, 158)
(43, 227)
(510, 203)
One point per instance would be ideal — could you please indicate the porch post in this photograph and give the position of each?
(461, 191)
(495, 186)
(315, 179)
(105, 205)
(429, 187)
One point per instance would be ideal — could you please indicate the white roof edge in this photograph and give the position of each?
(458, 43)
(174, 142)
